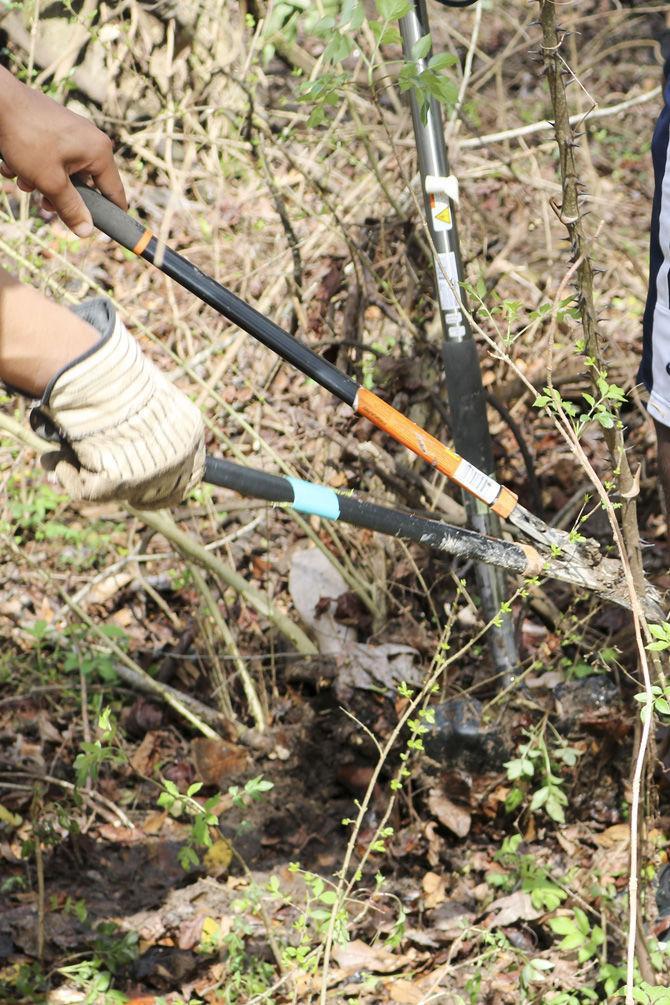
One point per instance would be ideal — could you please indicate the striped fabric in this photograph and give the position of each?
(654, 370)
(126, 431)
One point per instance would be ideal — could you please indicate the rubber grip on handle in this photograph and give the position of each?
(111, 220)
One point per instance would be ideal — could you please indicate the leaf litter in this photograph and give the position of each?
(459, 917)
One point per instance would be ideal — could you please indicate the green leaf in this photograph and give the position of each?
(421, 47)
(392, 10)
(562, 925)
(187, 858)
(513, 799)
(384, 33)
(582, 921)
(339, 47)
(520, 767)
(554, 809)
(606, 419)
(573, 941)
(441, 61)
(353, 15)
(540, 797)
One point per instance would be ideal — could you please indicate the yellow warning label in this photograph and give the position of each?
(444, 216)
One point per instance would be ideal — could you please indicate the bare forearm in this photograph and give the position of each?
(10, 92)
(37, 336)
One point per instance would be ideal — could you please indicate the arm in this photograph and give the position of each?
(125, 431)
(37, 336)
(42, 144)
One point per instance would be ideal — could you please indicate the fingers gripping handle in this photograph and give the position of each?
(112, 221)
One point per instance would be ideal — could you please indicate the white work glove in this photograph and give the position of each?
(125, 431)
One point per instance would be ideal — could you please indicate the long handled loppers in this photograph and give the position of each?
(579, 562)
(604, 577)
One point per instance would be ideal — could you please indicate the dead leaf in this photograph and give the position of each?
(530, 833)
(435, 843)
(218, 857)
(154, 822)
(434, 890)
(370, 668)
(147, 754)
(313, 579)
(510, 909)
(217, 762)
(108, 587)
(569, 847)
(189, 934)
(613, 836)
(47, 730)
(455, 818)
(123, 617)
(494, 800)
(549, 680)
(144, 716)
(9, 819)
(357, 955)
(405, 993)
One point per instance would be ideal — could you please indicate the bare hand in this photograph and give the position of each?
(42, 144)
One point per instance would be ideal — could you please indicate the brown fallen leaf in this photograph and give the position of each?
(493, 800)
(434, 890)
(507, 910)
(613, 836)
(455, 818)
(357, 955)
(405, 993)
(120, 835)
(154, 822)
(435, 843)
(569, 846)
(107, 588)
(189, 934)
(147, 754)
(217, 762)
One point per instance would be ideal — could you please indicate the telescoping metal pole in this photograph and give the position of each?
(467, 404)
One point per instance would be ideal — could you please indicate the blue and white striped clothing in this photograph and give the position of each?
(654, 370)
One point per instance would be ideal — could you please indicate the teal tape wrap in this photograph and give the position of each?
(316, 500)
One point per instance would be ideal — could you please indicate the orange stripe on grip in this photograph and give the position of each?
(505, 502)
(420, 442)
(142, 243)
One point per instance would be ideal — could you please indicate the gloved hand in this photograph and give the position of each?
(125, 431)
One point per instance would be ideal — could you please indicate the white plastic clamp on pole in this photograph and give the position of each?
(441, 185)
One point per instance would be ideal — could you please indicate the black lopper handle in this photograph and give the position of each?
(108, 218)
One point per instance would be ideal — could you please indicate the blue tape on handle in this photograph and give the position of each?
(316, 500)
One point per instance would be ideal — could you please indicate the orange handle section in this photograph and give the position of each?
(142, 243)
(402, 429)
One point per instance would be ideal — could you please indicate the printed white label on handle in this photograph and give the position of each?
(477, 482)
(447, 280)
